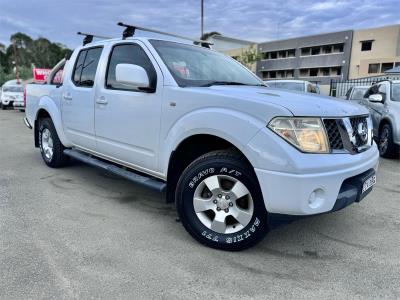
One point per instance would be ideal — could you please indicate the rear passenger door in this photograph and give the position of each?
(127, 120)
(77, 100)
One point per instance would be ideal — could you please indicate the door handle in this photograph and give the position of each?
(102, 100)
(67, 97)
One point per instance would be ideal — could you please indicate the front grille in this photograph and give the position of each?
(355, 123)
(350, 134)
(334, 137)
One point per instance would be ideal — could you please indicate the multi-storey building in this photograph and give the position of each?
(374, 51)
(317, 58)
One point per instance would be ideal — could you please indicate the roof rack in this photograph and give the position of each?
(89, 37)
(130, 31)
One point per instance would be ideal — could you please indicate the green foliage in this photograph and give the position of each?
(249, 56)
(31, 53)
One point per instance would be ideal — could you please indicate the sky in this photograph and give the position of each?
(254, 20)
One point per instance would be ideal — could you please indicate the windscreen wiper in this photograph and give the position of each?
(228, 83)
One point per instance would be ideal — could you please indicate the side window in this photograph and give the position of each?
(90, 66)
(86, 66)
(76, 78)
(129, 54)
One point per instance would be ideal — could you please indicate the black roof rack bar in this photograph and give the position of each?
(89, 37)
(130, 31)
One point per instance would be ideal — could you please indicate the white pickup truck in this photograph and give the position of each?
(236, 157)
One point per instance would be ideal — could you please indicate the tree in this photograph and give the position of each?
(249, 56)
(40, 53)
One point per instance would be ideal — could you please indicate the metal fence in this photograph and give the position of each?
(340, 87)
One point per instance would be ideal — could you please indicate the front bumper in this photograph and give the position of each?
(18, 104)
(349, 193)
(313, 193)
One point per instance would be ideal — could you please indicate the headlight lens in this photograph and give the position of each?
(306, 134)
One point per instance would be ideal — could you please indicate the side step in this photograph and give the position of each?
(131, 176)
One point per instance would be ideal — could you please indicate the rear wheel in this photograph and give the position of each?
(387, 148)
(50, 145)
(220, 203)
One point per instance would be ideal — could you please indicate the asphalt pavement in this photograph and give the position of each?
(78, 232)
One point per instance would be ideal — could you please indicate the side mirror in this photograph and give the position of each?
(132, 76)
(376, 98)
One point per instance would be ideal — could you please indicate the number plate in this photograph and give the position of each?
(368, 184)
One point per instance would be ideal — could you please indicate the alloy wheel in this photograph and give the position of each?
(223, 204)
(47, 144)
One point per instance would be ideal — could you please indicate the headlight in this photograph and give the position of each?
(306, 134)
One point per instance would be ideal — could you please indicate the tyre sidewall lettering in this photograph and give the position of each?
(257, 221)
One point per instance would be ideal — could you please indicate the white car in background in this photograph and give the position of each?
(11, 93)
(294, 85)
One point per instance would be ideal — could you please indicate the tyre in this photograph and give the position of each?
(3, 107)
(50, 145)
(387, 148)
(219, 202)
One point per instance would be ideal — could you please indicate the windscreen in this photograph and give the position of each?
(293, 86)
(358, 94)
(196, 66)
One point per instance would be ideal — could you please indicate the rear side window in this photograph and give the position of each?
(129, 54)
(78, 67)
(86, 66)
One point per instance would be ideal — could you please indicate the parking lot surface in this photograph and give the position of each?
(79, 232)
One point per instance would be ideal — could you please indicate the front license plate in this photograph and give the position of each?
(368, 184)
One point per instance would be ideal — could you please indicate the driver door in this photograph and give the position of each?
(127, 120)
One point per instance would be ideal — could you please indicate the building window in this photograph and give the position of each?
(292, 53)
(315, 50)
(366, 45)
(281, 74)
(336, 71)
(373, 68)
(279, 54)
(304, 72)
(314, 72)
(397, 64)
(290, 73)
(305, 51)
(325, 71)
(327, 49)
(338, 48)
(386, 66)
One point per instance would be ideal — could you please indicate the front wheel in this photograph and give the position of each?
(50, 145)
(220, 203)
(387, 148)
